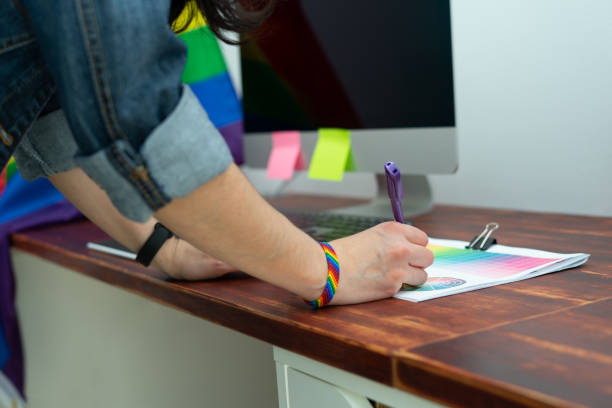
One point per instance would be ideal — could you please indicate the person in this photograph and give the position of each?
(91, 98)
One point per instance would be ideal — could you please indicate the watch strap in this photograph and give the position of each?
(152, 245)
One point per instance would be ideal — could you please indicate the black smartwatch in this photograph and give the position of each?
(159, 235)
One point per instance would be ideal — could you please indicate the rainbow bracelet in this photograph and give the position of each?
(333, 277)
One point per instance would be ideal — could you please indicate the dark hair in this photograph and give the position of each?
(240, 16)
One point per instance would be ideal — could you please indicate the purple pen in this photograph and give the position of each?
(394, 188)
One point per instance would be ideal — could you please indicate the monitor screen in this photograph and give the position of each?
(354, 64)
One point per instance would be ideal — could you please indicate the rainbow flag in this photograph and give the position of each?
(4, 350)
(6, 173)
(19, 197)
(22, 205)
(207, 75)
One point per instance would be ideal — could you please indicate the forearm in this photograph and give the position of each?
(93, 202)
(176, 257)
(225, 218)
(229, 220)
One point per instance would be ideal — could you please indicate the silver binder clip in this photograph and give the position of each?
(484, 240)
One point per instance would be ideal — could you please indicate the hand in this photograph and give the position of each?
(374, 263)
(180, 260)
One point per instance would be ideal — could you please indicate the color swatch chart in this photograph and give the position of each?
(484, 264)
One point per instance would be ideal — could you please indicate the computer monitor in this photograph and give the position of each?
(383, 70)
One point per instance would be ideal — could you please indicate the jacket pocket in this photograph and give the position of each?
(14, 30)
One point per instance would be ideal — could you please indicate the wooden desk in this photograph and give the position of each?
(546, 341)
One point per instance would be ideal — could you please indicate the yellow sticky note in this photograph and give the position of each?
(332, 155)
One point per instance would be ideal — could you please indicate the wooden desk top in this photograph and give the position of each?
(546, 341)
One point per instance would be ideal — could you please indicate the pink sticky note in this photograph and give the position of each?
(286, 155)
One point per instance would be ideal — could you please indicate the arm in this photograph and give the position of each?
(224, 218)
(177, 258)
(228, 219)
(213, 217)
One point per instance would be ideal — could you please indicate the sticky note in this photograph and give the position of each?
(286, 155)
(332, 155)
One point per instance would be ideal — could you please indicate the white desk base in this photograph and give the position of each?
(305, 383)
(91, 344)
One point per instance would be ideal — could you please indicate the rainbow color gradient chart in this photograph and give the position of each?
(456, 269)
(485, 263)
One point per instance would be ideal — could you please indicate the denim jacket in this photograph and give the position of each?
(114, 67)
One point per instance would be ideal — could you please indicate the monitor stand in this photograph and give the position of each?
(417, 199)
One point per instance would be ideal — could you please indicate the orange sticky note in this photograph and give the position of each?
(286, 155)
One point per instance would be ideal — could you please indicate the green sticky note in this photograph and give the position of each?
(332, 155)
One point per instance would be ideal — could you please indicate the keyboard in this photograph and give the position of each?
(328, 226)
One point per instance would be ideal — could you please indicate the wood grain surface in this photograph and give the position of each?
(546, 341)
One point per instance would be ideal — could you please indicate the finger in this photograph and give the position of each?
(214, 273)
(414, 276)
(415, 235)
(224, 267)
(420, 256)
(211, 264)
(410, 233)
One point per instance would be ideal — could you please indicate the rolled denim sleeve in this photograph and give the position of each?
(141, 135)
(47, 149)
(182, 153)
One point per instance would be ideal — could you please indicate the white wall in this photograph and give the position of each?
(534, 108)
(533, 82)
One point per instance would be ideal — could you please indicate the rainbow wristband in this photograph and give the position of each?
(333, 277)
